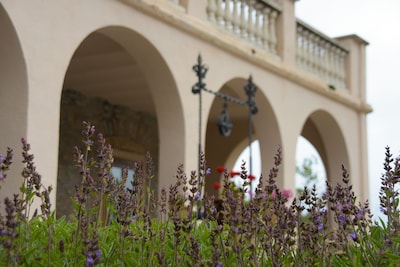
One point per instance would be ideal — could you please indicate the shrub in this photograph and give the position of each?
(113, 225)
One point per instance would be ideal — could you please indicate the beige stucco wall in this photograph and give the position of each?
(165, 42)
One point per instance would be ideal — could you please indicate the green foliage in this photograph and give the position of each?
(116, 226)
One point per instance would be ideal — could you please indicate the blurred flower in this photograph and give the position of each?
(217, 185)
(251, 177)
(359, 214)
(220, 169)
(287, 193)
(89, 260)
(320, 225)
(131, 220)
(233, 174)
(353, 235)
(208, 171)
(342, 218)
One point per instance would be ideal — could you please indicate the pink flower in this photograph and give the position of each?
(287, 193)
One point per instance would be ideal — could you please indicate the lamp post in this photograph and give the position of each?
(224, 123)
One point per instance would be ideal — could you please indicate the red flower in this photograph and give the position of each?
(251, 177)
(233, 173)
(220, 169)
(217, 185)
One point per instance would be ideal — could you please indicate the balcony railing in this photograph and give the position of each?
(251, 20)
(321, 56)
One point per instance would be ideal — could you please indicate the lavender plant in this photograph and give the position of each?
(115, 225)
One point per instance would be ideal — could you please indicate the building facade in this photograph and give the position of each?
(126, 66)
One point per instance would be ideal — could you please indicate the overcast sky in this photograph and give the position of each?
(378, 22)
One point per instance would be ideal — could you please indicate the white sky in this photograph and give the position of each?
(378, 22)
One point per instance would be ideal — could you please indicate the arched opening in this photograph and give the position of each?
(325, 135)
(225, 151)
(13, 99)
(310, 168)
(117, 80)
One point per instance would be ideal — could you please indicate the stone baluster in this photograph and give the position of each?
(314, 54)
(337, 66)
(332, 64)
(219, 13)
(318, 61)
(272, 31)
(211, 11)
(321, 59)
(243, 25)
(342, 69)
(250, 21)
(300, 47)
(258, 25)
(228, 15)
(328, 62)
(235, 17)
(265, 29)
(307, 51)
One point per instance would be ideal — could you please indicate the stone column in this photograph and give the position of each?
(355, 64)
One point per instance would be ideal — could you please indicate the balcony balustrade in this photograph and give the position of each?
(270, 25)
(252, 21)
(321, 56)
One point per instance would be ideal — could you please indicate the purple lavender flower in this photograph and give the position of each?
(130, 221)
(353, 236)
(320, 225)
(197, 196)
(360, 214)
(208, 171)
(4, 232)
(89, 260)
(219, 264)
(342, 218)
(2, 158)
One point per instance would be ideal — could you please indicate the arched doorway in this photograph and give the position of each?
(117, 80)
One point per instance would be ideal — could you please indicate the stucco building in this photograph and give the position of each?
(126, 65)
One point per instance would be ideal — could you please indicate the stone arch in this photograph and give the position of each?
(119, 74)
(13, 99)
(323, 131)
(224, 151)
